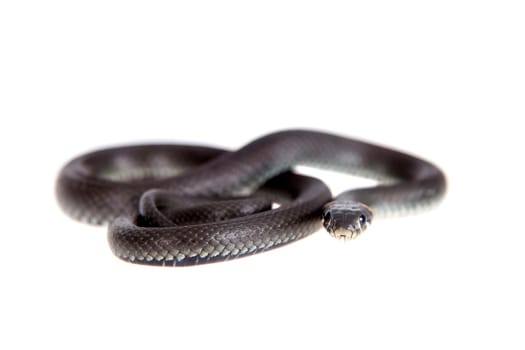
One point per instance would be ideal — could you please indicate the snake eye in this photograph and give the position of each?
(327, 217)
(362, 219)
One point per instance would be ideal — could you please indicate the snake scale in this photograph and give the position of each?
(175, 205)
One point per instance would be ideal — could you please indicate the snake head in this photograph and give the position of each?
(346, 220)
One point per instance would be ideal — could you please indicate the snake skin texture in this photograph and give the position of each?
(176, 205)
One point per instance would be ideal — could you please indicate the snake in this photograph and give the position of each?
(180, 205)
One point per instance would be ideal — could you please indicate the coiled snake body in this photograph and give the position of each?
(185, 205)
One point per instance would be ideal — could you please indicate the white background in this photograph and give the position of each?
(442, 79)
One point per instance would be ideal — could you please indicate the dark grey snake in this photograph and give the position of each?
(184, 205)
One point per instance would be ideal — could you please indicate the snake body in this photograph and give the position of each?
(184, 205)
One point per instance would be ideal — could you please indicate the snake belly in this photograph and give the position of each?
(177, 205)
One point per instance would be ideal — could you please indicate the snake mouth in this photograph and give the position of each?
(348, 233)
